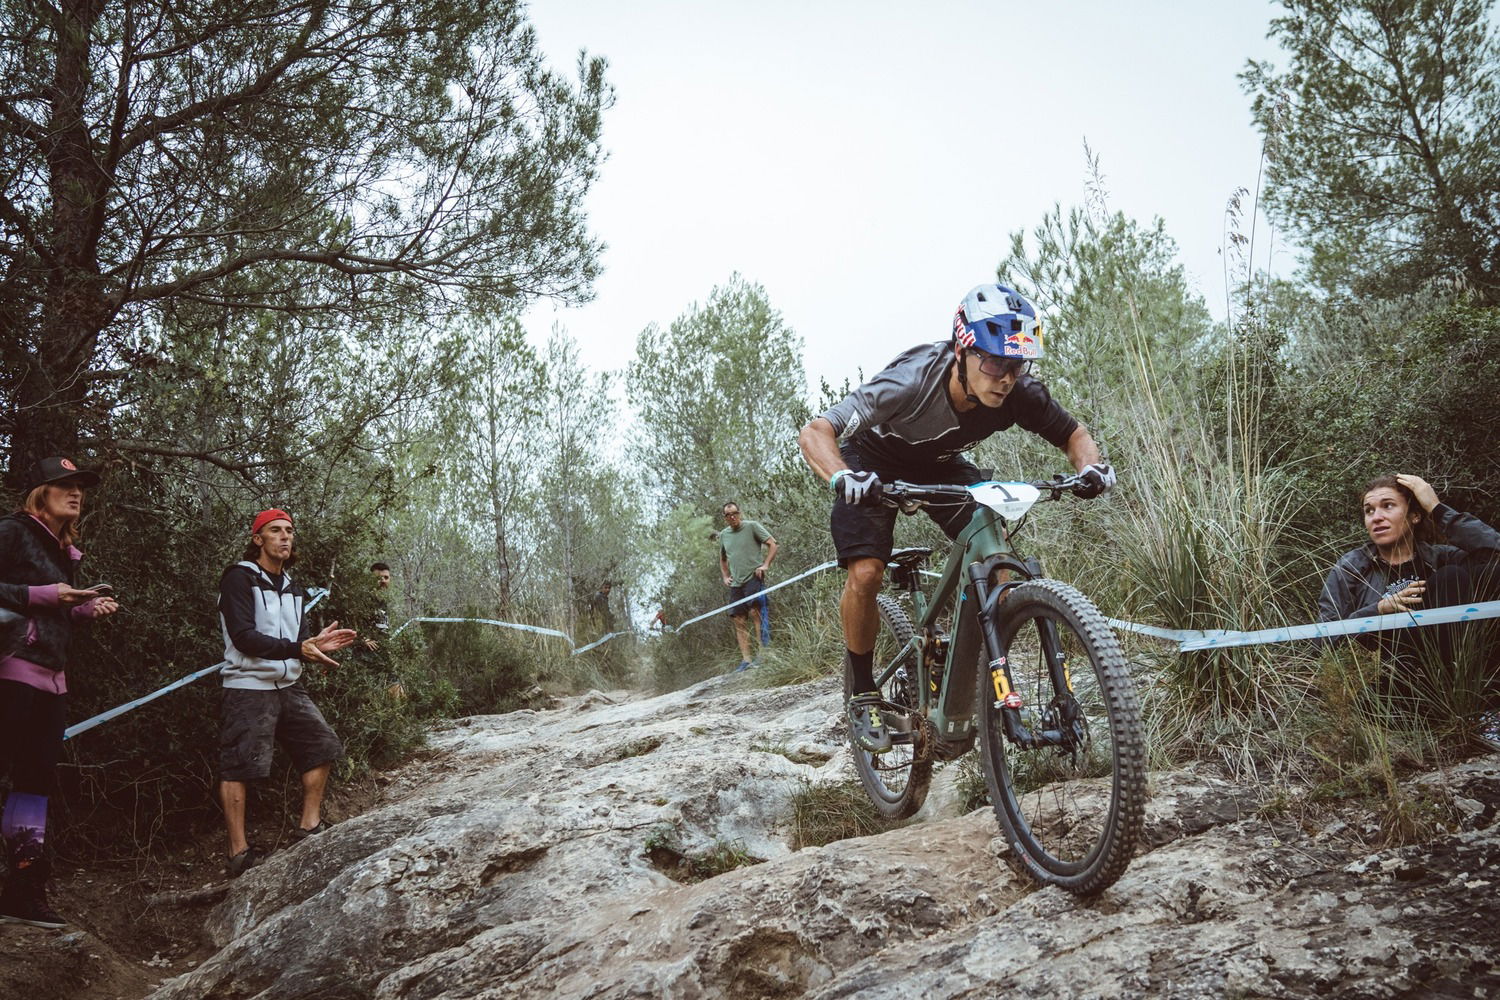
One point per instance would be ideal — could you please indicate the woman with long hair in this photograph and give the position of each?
(39, 562)
(1400, 568)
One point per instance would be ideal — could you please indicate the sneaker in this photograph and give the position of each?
(1488, 730)
(744, 665)
(301, 834)
(32, 910)
(865, 723)
(243, 862)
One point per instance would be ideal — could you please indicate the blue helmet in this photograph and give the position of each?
(998, 320)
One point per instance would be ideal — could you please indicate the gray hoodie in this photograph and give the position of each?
(264, 625)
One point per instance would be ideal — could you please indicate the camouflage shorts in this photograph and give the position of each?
(251, 722)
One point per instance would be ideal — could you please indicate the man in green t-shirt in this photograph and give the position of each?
(744, 572)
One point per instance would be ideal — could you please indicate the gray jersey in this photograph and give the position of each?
(903, 418)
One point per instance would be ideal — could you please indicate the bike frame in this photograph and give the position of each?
(967, 584)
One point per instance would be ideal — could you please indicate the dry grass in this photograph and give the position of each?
(826, 812)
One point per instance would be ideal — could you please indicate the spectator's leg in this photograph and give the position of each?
(314, 784)
(741, 634)
(232, 797)
(754, 628)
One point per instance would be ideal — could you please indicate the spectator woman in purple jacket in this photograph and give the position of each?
(38, 587)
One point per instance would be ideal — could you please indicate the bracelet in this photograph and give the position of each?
(833, 480)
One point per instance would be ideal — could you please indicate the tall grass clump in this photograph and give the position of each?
(826, 812)
(490, 669)
(807, 635)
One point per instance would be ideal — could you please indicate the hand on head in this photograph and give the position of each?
(1425, 494)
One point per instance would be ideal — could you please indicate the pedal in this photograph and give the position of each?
(896, 722)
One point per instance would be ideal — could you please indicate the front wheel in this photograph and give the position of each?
(1071, 809)
(896, 780)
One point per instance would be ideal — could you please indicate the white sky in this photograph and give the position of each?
(867, 161)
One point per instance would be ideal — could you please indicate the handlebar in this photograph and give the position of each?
(901, 492)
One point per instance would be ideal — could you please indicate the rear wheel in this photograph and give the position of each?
(1073, 811)
(896, 780)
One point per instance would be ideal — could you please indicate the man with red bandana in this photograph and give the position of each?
(267, 638)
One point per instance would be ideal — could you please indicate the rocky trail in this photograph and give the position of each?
(543, 854)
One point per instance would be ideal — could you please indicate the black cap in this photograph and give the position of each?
(56, 468)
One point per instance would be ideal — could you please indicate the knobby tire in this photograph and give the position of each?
(1072, 818)
(895, 781)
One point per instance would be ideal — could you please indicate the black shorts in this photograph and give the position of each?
(867, 532)
(251, 721)
(754, 585)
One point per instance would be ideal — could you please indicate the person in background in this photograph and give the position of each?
(603, 619)
(381, 574)
(374, 649)
(267, 638)
(39, 563)
(744, 573)
(1401, 569)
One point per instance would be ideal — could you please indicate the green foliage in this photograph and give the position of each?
(376, 165)
(1383, 142)
(489, 669)
(1118, 308)
(1421, 402)
(718, 396)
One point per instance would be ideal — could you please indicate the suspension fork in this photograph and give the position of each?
(1006, 699)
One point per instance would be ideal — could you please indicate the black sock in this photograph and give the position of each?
(862, 667)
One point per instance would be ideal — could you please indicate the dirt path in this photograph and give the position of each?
(118, 945)
(129, 926)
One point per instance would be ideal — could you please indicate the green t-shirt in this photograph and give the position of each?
(742, 549)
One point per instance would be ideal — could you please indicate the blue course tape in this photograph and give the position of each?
(317, 593)
(756, 596)
(489, 621)
(517, 625)
(1194, 639)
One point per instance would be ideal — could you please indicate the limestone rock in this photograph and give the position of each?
(519, 863)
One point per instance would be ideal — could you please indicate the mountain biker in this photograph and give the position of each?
(913, 421)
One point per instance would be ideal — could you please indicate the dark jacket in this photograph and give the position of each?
(1360, 578)
(31, 557)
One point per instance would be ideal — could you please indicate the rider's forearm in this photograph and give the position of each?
(1081, 449)
(820, 448)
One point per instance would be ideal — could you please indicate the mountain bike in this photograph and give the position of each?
(1029, 667)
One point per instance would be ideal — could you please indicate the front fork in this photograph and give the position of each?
(1058, 718)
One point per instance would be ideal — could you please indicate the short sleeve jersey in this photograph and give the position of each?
(742, 549)
(903, 417)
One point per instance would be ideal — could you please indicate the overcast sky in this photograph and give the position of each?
(867, 161)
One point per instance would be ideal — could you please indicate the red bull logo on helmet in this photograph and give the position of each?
(961, 332)
(1023, 345)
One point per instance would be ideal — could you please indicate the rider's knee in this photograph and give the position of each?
(866, 575)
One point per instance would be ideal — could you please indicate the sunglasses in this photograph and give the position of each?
(998, 367)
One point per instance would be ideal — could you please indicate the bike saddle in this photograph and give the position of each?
(907, 558)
